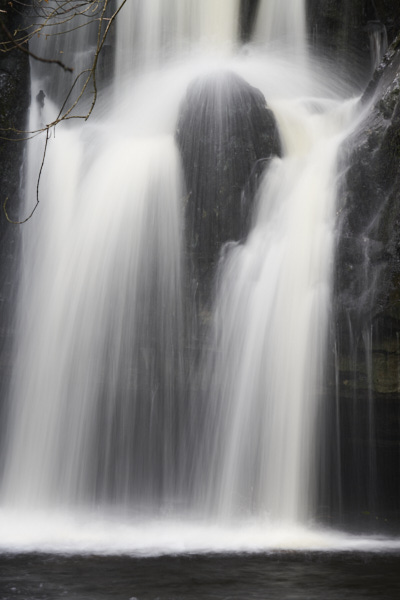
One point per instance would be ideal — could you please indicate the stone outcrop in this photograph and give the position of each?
(367, 302)
(227, 136)
(14, 103)
(369, 249)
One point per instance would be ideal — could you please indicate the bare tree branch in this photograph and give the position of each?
(37, 189)
(60, 13)
(31, 54)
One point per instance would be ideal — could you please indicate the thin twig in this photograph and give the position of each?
(55, 17)
(37, 189)
(31, 54)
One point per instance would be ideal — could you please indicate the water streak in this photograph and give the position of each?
(283, 23)
(271, 319)
(113, 438)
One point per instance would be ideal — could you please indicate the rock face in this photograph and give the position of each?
(362, 435)
(14, 103)
(388, 11)
(226, 135)
(344, 29)
(369, 251)
(367, 299)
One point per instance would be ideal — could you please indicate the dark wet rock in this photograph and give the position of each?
(339, 29)
(388, 12)
(369, 248)
(344, 31)
(14, 103)
(367, 298)
(227, 136)
(363, 427)
(248, 12)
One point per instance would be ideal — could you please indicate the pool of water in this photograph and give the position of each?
(280, 575)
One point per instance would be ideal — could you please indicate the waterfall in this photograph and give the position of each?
(130, 426)
(378, 42)
(270, 325)
(283, 23)
(154, 31)
(93, 338)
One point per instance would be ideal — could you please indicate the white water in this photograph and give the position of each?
(378, 42)
(153, 31)
(283, 23)
(271, 320)
(84, 328)
(101, 415)
(105, 534)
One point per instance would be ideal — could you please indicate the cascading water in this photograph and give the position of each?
(284, 25)
(154, 30)
(271, 320)
(75, 420)
(114, 443)
(378, 42)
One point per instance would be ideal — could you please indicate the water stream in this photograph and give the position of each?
(110, 446)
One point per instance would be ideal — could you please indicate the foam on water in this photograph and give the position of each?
(108, 534)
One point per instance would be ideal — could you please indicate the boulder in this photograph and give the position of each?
(226, 135)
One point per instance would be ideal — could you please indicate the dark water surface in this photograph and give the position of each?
(285, 575)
